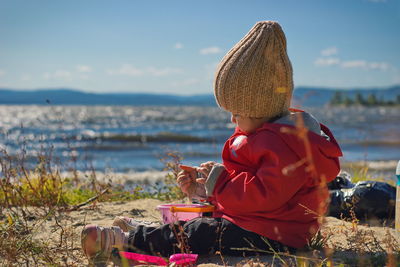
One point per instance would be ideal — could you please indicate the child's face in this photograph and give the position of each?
(246, 124)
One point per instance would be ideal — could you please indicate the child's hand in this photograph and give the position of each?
(205, 169)
(188, 180)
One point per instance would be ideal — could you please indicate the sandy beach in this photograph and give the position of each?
(345, 240)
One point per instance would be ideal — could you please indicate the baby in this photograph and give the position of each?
(270, 191)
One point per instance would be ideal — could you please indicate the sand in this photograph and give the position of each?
(348, 239)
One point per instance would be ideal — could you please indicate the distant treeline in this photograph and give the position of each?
(341, 98)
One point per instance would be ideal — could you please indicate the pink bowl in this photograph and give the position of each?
(170, 217)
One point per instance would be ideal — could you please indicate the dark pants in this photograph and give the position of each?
(201, 236)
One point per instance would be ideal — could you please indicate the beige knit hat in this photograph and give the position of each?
(255, 78)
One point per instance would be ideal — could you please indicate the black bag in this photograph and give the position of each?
(366, 200)
(340, 182)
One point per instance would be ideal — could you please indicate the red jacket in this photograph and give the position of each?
(268, 186)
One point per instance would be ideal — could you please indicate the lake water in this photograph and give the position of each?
(126, 138)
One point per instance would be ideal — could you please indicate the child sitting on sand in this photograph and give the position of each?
(270, 192)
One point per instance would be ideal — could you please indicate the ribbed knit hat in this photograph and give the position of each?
(255, 78)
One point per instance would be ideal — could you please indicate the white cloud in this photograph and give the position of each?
(129, 70)
(126, 69)
(2, 73)
(59, 74)
(363, 64)
(396, 79)
(64, 74)
(163, 72)
(187, 82)
(330, 51)
(26, 77)
(379, 66)
(46, 76)
(396, 76)
(352, 64)
(178, 46)
(83, 68)
(329, 61)
(210, 50)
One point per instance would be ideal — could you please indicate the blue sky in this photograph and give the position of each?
(174, 46)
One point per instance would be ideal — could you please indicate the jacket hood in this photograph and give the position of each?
(308, 120)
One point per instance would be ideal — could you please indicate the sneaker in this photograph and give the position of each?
(101, 244)
(128, 224)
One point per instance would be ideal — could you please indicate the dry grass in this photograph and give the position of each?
(30, 199)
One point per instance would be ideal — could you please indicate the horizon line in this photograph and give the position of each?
(193, 94)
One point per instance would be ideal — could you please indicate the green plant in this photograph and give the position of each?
(319, 241)
(359, 172)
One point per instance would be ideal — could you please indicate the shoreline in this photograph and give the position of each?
(373, 164)
(377, 170)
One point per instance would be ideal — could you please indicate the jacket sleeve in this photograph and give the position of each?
(267, 187)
